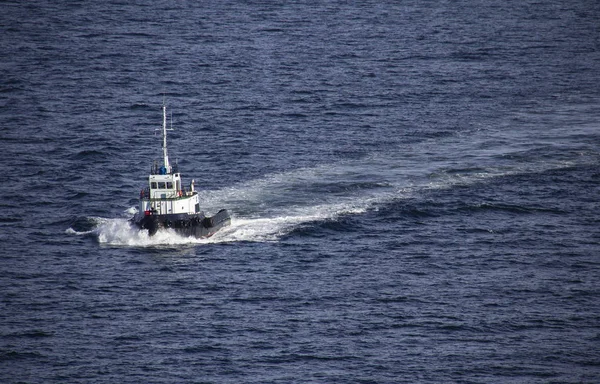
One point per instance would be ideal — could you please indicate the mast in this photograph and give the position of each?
(164, 146)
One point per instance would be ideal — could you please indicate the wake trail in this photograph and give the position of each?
(266, 209)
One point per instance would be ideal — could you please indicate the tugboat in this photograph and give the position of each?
(165, 203)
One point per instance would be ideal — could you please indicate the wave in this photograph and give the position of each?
(266, 209)
(120, 231)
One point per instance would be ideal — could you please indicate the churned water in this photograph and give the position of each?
(413, 185)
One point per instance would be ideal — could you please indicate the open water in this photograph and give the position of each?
(414, 188)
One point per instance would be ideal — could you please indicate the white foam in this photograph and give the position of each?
(265, 229)
(120, 232)
(131, 211)
(266, 209)
(71, 231)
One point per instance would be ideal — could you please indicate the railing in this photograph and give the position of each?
(169, 194)
(161, 170)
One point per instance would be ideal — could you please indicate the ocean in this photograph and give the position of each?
(413, 186)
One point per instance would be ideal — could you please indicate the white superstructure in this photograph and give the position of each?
(164, 193)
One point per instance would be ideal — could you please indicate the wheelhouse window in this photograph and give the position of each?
(161, 185)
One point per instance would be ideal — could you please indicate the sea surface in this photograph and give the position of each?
(414, 189)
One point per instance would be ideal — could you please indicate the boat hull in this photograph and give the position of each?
(188, 225)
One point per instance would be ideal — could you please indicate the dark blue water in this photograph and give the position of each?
(414, 189)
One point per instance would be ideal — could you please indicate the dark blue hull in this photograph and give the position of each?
(187, 225)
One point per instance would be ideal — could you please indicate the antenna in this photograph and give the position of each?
(164, 146)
